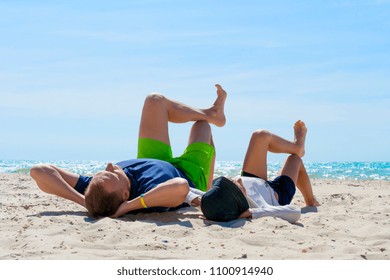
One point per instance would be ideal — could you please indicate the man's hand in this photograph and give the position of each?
(122, 210)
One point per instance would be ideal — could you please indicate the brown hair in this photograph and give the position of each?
(100, 202)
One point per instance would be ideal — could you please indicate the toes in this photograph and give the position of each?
(219, 88)
(299, 124)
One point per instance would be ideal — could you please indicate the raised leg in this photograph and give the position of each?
(261, 143)
(212, 167)
(158, 111)
(201, 132)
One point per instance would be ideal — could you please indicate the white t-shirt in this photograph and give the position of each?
(256, 189)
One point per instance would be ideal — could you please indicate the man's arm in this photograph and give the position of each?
(171, 193)
(54, 180)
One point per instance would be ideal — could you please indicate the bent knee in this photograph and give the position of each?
(261, 134)
(295, 158)
(154, 98)
(202, 125)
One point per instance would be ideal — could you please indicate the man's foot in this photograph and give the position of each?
(300, 131)
(217, 111)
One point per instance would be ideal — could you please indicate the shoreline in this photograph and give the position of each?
(352, 223)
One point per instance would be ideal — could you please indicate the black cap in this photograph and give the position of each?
(285, 188)
(224, 201)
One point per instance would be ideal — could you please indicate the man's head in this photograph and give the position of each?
(224, 202)
(106, 191)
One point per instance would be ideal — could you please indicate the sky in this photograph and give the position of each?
(74, 74)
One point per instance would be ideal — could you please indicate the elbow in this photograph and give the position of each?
(38, 170)
(39, 173)
(34, 171)
(181, 190)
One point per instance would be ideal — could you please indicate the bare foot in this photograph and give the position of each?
(300, 131)
(314, 202)
(216, 112)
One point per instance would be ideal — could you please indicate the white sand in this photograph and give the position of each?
(352, 223)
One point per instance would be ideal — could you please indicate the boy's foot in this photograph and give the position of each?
(313, 202)
(300, 132)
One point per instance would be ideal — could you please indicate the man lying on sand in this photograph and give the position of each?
(251, 195)
(155, 181)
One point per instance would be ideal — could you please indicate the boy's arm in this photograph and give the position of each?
(286, 212)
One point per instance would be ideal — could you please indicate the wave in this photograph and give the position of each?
(321, 170)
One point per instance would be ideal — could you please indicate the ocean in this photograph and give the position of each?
(325, 170)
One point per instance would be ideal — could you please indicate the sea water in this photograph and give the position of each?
(330, 170)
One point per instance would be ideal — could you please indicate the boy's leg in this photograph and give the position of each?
(158, 111)
(263, 141)
(295, 169)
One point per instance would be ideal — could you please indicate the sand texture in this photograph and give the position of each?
(353, 223)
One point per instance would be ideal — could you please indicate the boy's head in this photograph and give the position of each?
(224, 201)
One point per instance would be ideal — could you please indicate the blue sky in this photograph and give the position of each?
(73, 74)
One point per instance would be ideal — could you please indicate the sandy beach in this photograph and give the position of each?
(353, 223)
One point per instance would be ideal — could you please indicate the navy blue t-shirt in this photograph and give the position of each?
(144, 175)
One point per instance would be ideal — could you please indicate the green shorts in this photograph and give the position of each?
(195, 162)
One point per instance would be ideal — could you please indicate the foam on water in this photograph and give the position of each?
(332, 170)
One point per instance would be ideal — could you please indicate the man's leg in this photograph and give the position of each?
(201, 132)
(263, 141)
(295, 169)
(212, 166)
(158, 111)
